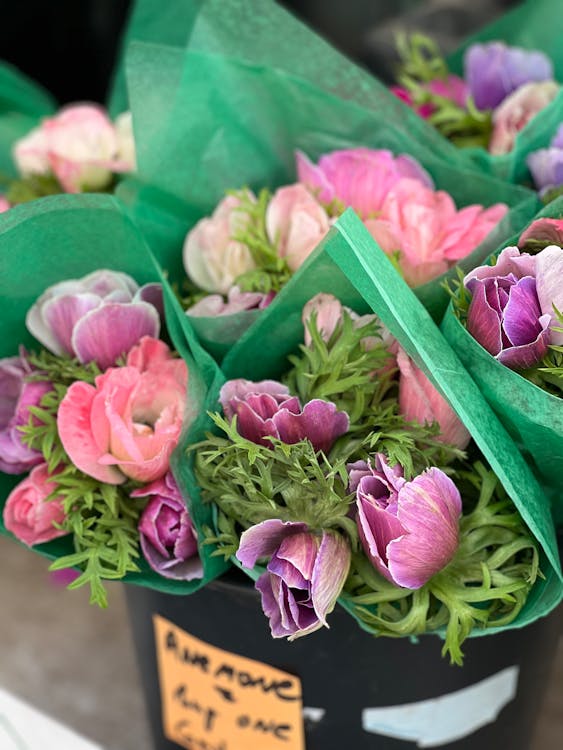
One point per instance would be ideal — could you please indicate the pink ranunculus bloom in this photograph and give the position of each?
(213, 258)
(79, 145)
(129, 422)
(420, 402)
(425, 230)
(358, 177)
(27, 515)
(516, 111)
(296, 223)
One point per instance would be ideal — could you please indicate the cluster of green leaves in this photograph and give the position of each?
(102, 518)
(272, 272)
(31, 187)
(422, 63)
(485, 585)
(251, 483)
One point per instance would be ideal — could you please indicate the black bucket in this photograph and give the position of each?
(356, 687)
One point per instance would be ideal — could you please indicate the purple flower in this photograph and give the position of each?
(237, 301)
(409, 530)
(97, 318)
(168, 537)
(265, 409)
(304, 576)
(546, 164)
(16, 396)
(494, 70)
(511, 311)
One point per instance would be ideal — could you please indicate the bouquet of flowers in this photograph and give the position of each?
(518, 362)
(507, 102)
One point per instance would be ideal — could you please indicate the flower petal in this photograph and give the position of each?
(549, 286)
(483, 322)
(263, 539)
(105, 334)
(330, 572)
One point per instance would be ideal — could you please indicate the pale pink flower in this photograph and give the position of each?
(420, 402)
(329, 311)
(425, 231)
(213, 259)
(516, 111)
(27, 514)
(4, 204)
(129, 422)
(296, 223)
(79, 146)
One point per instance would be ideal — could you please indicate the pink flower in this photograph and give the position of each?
(213, 259)
(27, 514)
(542, 233)
(129, 422)
(409, 530)
(328, 310)
(516, 111)
(237, 301)
(79, 146)
(295, 223)
(426, 232)
(452, 88)
(420, 402)
(4, 204)
(360, 177)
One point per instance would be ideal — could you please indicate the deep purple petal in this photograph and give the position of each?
(523, 357)
(264, 539)
(483, 322)
(265, 585)
(429, 510)
(331, 570)
(319, 422)
(520, 319)
(152, 295)
(105, 334)
(184, 570)
(377, 529)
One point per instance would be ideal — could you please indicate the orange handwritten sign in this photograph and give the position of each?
(215, 700)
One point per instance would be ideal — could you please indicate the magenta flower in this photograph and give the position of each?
(511, 310)
(28, 514)
(493, 71)
(452, 88)
(96, 318)
(265, 409)
(167, 534)
(409, 530)
(16, 396)
(360, 177)
(304, 577)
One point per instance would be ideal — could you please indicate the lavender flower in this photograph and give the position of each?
(304, 576)
(168, 537)
(409, 530)
(546, 164)
(493, 71)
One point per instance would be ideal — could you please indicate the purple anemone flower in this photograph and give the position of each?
(265, 409)
(494, 70)
(168, 537)
(97, 318)
(409, 530)
(16, 396)
(304, 576)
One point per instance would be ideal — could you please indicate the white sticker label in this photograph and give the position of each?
(22, 727)
(441, 720)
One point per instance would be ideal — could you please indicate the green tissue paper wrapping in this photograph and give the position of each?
(531, 415)
(205, 124)
(65, 237)
(350, 265)
(22, 104)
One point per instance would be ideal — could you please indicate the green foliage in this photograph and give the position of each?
(272, 272)
(61, 370)
(422, 63)
(31, 187)
(485, 585)
(342, 369)
(102, 518)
